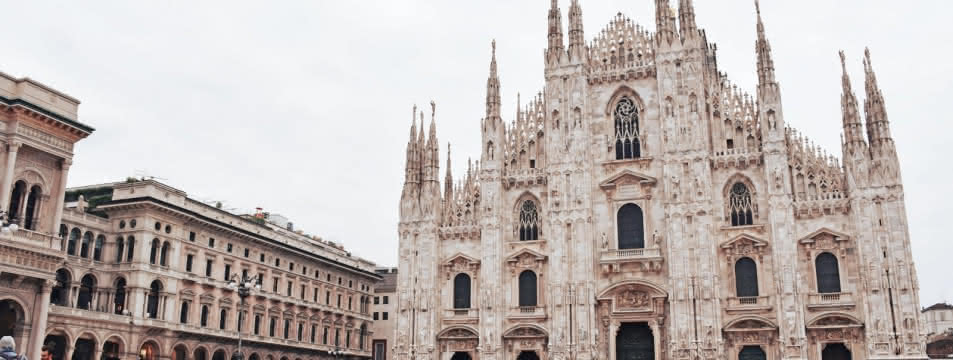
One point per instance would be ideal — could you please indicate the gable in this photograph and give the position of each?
(627, 177)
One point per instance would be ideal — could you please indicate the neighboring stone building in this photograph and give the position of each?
(643, 207)
(384, 308)
(938, 325)
(140, 271)
(39, 127)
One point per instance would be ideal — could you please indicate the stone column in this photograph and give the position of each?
(40, 318)
(74, 295)
(60, 195)
(613, 327)
(12, 149)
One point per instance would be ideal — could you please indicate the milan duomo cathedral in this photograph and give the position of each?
(644, 207)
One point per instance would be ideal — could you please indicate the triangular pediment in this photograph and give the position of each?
(461, 258)
(627, 177)
(744, 240)
(525, 255)
(824, 233)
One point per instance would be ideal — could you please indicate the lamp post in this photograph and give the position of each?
(244, 285)
(7, 225)
(337, 352)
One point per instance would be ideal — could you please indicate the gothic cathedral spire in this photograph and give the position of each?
(853, 129)
(765, 61)
(555, 50)
(493, 91)
(664, 21)
(878, 127)
(686, 18)
(577, 40)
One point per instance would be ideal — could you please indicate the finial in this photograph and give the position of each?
(757, 7)
(433, 109)
(843, 61)
(493, 44)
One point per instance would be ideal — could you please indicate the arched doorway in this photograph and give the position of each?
(635, 341)
(84, 349)
(178, 352)
(200, 354)
(527, 355)
(254, 356)
(58, 342)
(149, 351)
(11, 319)
(86, 289)
(112, 349)
(752, 353)
(219, 355)
(460, 356)
(835, 351)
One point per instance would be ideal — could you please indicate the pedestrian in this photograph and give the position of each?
(46, 352)
(8, 349)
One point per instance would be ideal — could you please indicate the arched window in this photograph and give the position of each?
(153, 300)
(746, 277)
(60, 294)
(154, 252)
(203, 320)
(529, 221)
(740, 206)
(626, 117)
(527, 284)
(86, 243)
(222, 317)
(257, 324)
(164, 254)
(461, 291)
(120, 247)
(98, 248)
(18, 190)
(132, 248)
(631, 229)
(32, 203)
(360, 341)
(74, 236)
(184, 313)
(828, 275)
(86, 289)
(120, 299)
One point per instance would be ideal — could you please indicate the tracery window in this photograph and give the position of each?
(630, 226)
(626, 116)
(746, 277)
(529, 221)
(461, 291)
(828, 274)
(740, 206)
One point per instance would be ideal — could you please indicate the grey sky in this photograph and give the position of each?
(303, 107)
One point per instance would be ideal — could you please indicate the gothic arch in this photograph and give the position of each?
(185, 345)
(744, 322)
(742, 178)
(513, 331)
(61, 331)
(527, 226)
(33, 177)
(621, 91)
(607, 293)
(455, 332)
(834, 319)
(91, 336)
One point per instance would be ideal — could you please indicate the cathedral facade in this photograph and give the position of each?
(641, 206)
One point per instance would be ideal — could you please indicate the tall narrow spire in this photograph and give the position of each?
(493, 90)
(448, 180)
(853, 128)
(878, 127)
(763, 48)
(686, 18)
(577, 39)
(555, 33)
(410, 168)
(664, 23)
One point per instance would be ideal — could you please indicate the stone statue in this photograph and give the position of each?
(605, 242)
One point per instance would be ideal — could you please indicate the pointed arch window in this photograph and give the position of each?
(527, 288)
(740, 206)
(529, 221)
(746, 277)
(461, 291)
(828, 274)
(626, 116)
(630, 227)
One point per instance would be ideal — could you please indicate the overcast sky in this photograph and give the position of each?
(303, 107)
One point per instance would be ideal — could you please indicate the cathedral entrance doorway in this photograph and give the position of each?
(527, 355)
(835, 351)
(460, 356)
(635, 341)
(752, 353)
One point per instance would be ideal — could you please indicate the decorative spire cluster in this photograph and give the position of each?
(621, 46)
(461, 205)
(853, 128)
(493, 91)
(577, 39)
(523, 135)
(664, 21)
(423, 162)
(555, 36)
(817, 175)
(878, 127)
(686, 18)
(763, 48)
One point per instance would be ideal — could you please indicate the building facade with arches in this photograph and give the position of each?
(641, 206)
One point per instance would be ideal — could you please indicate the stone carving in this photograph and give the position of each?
(605, 242)
(632, 299)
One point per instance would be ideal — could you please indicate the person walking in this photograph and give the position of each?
(8, 349)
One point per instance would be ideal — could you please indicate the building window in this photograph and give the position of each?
(317, 274)
(287, 328)
(461, 291)
(184, 313)
(291, 266)
(132, 223)
(384, 315)
(223, 316)
(188, 262)
(527, 288)
(746, 277)
(98, 248)
(300, 331)
(204, 319)
(350, 284)
(257, 324)
(375, 315)
(271, 327)
(228, 247)
(277, 262)
(828, 274)
(247, 252)
(339, 301)
(158, 226)
(380, 350)
(261, 257)
(315, 295)
(740, 206)
(154, 251)
(132, 248)
(385, 299)
(120, 246)
(274, 285)
(228, 271)
(153, 300)
(350, 302)
(529, 221)
(626, 116)
(377, 300)
(631, 228)
(304, 270)
(324, 338)
(208, 268)
(74, 236)
(192, 236)
(327, 297)
(314, 331)
(119, 300)
(289, 287)
(164, 254)
(211, 242)
(87, 242)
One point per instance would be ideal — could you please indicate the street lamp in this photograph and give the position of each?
(244, 285)
(8, 225)
(337, 352)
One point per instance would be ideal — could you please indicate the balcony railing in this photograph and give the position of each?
(528, 312)
(619, 254)
(462, 313)
(830, 300)
(749, 303)
(34, 238)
